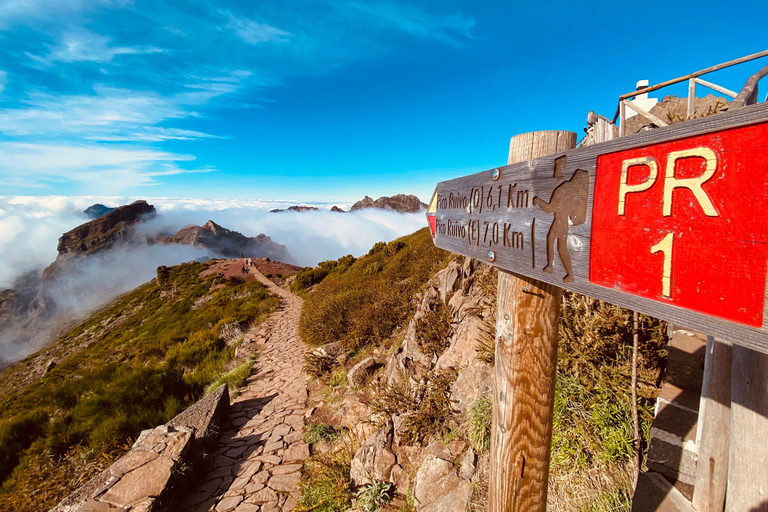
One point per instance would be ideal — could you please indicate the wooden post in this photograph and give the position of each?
(528, 312)
(691, 97)
(748, 462)
(713, 428)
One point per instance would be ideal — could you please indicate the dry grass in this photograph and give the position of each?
(603, 488)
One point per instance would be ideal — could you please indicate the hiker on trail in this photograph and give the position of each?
(242, 269)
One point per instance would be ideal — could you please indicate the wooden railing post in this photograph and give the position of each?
(747, 467)
(528, 312)
(714, 428)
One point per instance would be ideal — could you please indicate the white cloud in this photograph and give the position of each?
(415, 21)
(12, 11)
(94, 168)
(253, 32)
(86, 46)
(30, 228)
(31, 225)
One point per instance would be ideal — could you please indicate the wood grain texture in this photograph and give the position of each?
(748, 461)
(714, 428)
(528, 312)
(537, 173)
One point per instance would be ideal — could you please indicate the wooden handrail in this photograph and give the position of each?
(705, 71)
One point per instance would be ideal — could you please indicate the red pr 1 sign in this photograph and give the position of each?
(672, 222)
(684, 223)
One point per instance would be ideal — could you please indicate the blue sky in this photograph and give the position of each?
(318, 100)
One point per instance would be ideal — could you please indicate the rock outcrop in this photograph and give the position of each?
(106, 231)
(437, 487)
(440, 476)
(400, 203)
(336, 209)
(231, 243)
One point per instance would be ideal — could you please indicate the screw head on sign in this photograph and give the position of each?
(491, 256)
(495, 174)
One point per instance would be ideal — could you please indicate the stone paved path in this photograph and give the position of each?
(262, 449)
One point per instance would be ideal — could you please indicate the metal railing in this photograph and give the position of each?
(693, 80)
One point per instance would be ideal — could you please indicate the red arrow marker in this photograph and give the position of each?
(431, 214)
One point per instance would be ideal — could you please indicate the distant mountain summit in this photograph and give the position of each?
(296, 208)
(106, 230)
(97, 210)
(231, 243)
(399, 202)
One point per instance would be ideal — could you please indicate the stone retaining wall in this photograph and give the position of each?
(137, 480)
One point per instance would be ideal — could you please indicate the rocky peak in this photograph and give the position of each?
(399, 202)
(231, 243)
(106, 231)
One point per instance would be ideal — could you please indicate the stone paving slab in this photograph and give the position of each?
(256, 468)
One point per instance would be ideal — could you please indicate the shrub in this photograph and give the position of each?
(433, 330)
(394, 246)
(374, 496)
(373, 268)
(308, 277)
(318, 366)
(426, 406)
(377, 248)
(486, 345)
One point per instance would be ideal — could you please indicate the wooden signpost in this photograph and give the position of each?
(671, 222)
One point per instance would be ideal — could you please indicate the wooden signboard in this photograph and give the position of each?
(671, 222)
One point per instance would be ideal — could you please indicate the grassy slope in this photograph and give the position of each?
(133, 365)
(592, 452)
(361, 304)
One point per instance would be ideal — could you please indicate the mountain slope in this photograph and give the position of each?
(130, 366)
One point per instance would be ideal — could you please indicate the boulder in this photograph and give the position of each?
(359, 373)
(437, 487)
(374, 460)
(468, 464)
(473, 382)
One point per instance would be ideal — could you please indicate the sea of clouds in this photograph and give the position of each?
(30, 228)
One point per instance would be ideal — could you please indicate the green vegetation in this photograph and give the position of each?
(433, 330)
(362, 304)
(134, 365)
(234, 378)
(592, 447)
(308, 276)
(479, 424)
(318, 432)
(325, 482)
(425, 406)
(374, 496)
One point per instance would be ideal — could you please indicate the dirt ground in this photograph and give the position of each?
(277, 271)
